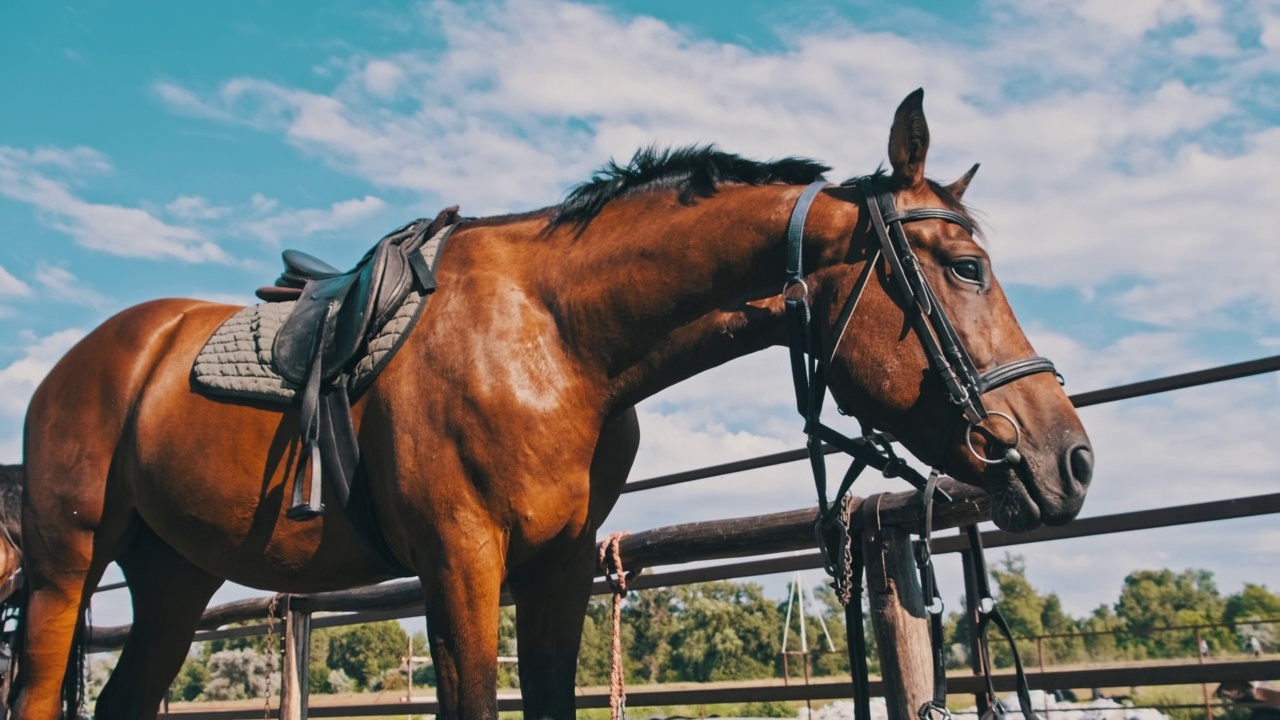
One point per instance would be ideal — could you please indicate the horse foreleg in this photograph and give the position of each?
(462, 597)
(551, 600)
(169, 594)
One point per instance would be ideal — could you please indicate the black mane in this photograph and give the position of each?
(695, 171)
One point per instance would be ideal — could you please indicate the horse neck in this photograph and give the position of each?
(658, 291)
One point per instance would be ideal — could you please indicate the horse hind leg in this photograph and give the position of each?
(61, 569)
(74, 525)
(169, 595)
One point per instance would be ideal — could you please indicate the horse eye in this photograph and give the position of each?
(968, 269)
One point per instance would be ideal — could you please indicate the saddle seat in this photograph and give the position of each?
(300, 267)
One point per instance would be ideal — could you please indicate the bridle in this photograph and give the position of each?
(947, 355)
(964, 386)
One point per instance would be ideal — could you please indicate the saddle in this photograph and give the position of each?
(336, 314)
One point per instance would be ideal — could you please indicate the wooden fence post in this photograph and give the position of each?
(295, 678)
(898, 616)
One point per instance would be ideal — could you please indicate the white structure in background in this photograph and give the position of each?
(1045, 704)
(798, 599)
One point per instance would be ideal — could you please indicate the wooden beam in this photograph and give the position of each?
(897, 616)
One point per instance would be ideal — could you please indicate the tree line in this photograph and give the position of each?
(730, 631)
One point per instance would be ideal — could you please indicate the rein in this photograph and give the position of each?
(964, 385)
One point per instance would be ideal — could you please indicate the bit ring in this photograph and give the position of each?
(1011, 455)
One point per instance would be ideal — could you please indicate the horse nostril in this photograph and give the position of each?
(1080, 463)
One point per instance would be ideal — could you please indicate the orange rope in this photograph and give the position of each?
(616, 578)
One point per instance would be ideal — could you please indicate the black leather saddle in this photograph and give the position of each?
(336, 314)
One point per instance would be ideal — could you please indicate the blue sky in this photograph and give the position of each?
(1129, 183)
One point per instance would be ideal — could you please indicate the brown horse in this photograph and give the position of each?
(498, 438)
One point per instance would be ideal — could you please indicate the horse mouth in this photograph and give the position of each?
(1013, 508)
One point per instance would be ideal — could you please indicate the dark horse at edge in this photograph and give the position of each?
(499, 437)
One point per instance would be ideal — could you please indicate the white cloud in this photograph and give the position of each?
(263, 204)
(526, 98)
(60, 284)
(19, 379)
(114, 229)
(1270, 36)
(179, 98)
(300, 223)
(10, 285)
(191, 207)
(382, 78)
(1132, 18)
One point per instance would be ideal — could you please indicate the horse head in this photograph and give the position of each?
(926, 347)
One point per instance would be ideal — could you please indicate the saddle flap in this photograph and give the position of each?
(309, 327)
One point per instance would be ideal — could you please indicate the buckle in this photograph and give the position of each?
(997, 711)
(922, 552)
(933, 710)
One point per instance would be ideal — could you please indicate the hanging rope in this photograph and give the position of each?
(272, 607)
(610, 560)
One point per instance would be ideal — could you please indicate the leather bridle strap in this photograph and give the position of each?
(808, 377)
(947, 355)
(989, 612)
(937, 706)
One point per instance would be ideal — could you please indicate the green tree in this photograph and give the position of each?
(424, 674)
(595, 652)
(1244, 610)
(318, 666)
(508, 674)
(191, 679)
(654, 618)
(365, 652)
(1101, 641)
(728, 631)
(1155, 599)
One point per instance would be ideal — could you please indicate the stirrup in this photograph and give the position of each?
(304, 511)
(311, 507)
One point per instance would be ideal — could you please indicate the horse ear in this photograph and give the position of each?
(909, 140)
(958, 187)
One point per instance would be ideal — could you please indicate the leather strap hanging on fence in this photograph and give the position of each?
(936, 707)
(989, 612)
